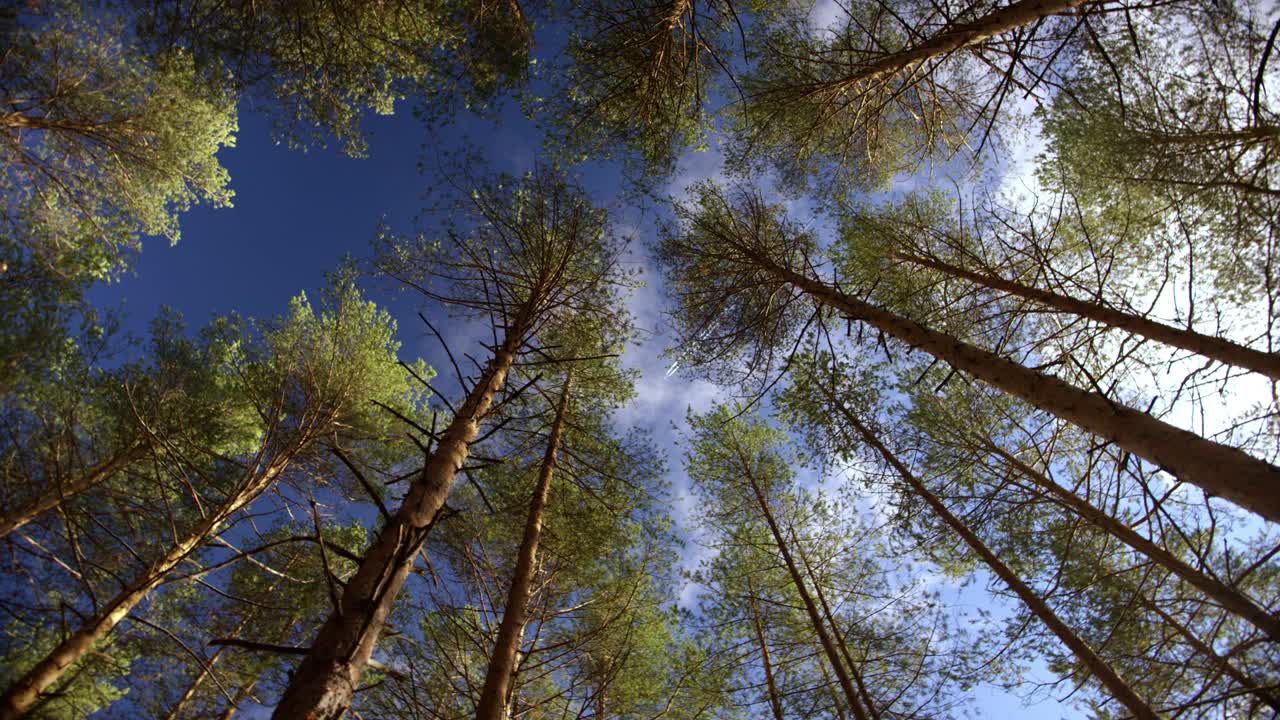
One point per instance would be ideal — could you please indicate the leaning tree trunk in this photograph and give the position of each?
(1228, 597)
(25, 692)
(851, 694)
(830, 616)
(962, 35)
(323, 685)
(502, 663)
(1096, 665)
(1211, 347)
(1213, 467)
(771, 686)
(13, 519)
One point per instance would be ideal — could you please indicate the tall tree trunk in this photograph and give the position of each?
(962, 35)
(24, 692)
(1213, 467)
(15, 518)
(835, 629)
(851, 694)
(1228, 597)
(502, 663)
(1118, 688)
(199, 679)
(323, 684)
(1215, 348)
(241, 695)
(771, 686)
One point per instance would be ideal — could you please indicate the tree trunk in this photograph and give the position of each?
(819, 629)
(62, 491)
(835, 630)
(502, 663)
(1096, 665)
(1229, 598)
(241, 694)
(24, 692)
(199, 679)
(1215, 348)
(323, 684)
(962, 35)
(775, 702)
(1213, 467)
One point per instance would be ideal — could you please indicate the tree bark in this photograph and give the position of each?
(775, 702)
(1118, 688)
(1215, 348)
(502, 663)
(62, 491)
(326, 680)
(841, 645)
(1213, 467)
(962, 35)
(819, 629)
(24, 692)
(1229, 598)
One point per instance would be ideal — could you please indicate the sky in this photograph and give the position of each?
(296, 214)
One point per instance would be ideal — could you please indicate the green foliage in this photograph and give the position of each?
(103, 144)
(639, 77)
(320, 65)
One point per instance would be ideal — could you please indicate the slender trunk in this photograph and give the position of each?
(24, 693)
(1215, 348)
(1222, 664)
(775, 702)
(962, 35)
(1229, 598)
(198, 680)
(62, 491)
(241, 695)
(835, 698)
(1086, 654)
(497, 681)
(1213, 467)
(323, 684)
(810, 608)
(835, 630)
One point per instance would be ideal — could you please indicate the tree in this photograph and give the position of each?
(891, 86)
(102, 143)
(640, 75)
(743, 275)
(537, 252)
(307, 378)
(319, 66)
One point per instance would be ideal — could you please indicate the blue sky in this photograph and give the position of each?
(296, 214)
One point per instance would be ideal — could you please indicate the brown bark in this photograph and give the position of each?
(1217, 469)
(197, 681)
(62, 491)
(1229, 598)
(502, 663)
(962, 35)
(775, 701)
(811, 609)
(841, 645)
(241, 695)
(326, 680)
(1215, 348)
(24, 692)
(1118, 688)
